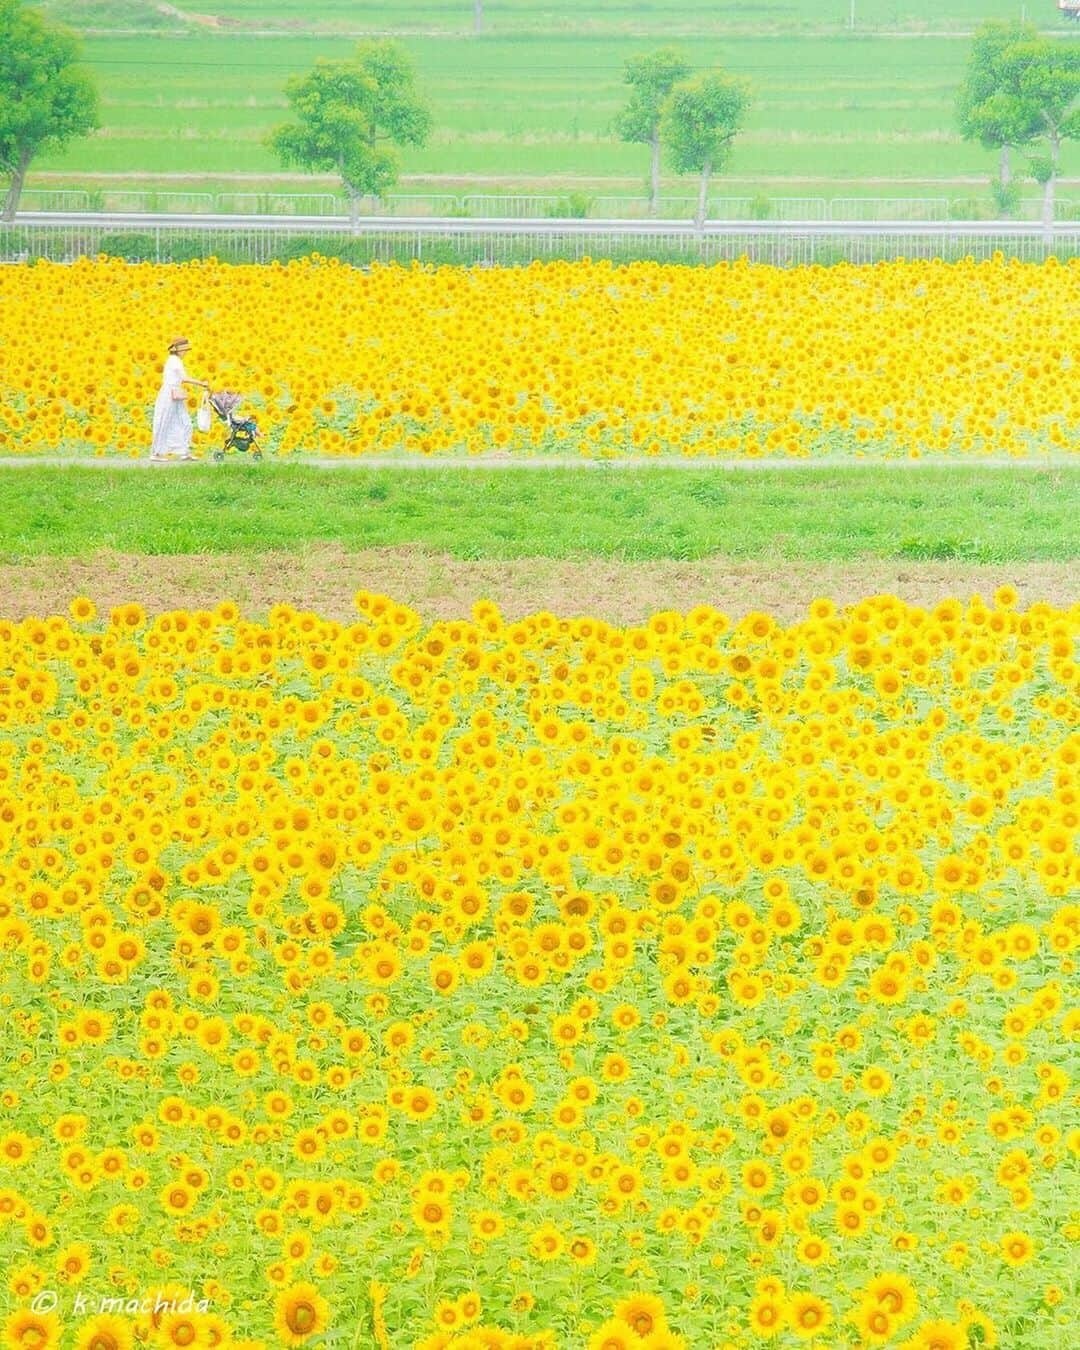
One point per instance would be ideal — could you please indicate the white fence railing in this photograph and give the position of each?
(522, 206)
(165, 238)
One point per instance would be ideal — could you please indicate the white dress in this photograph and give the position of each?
(172, 421)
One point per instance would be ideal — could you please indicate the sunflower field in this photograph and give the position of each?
(894, 360)
(698, 984)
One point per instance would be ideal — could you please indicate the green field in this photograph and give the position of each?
(530, 104)
(930, 514)
(692, 17)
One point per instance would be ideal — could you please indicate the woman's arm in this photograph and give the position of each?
(182, 377)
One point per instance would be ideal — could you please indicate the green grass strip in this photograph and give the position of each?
(925, 514)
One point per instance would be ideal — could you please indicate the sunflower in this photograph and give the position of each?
(547, 1243)
(16, 1148)
(940, 1335)
(431, 1214)
(73, 1262)
(487, 1224)
(178, 1330)
(664, 1339)
(813, 1250)
(757, 1177)
(178, 1198)
(766, 1316)
(420, 1103)
(874, 1323)
(626, 1183)
(27, 1330)
(1017, 1249)
(105, 1332)
(300, 1312)
(643, 1313)
(614, 1334)
(808, 1315)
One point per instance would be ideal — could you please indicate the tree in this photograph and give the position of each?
(1044, 77)
(700, 121)
(348, 113)
(987, 111)
(44, 101)
(651, 79)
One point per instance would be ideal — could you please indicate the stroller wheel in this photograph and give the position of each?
(256, 454)
(218, 456)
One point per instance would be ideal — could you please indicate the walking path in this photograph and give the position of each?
(552, 462)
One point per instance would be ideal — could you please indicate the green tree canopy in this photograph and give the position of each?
(701, 119)
(1043, 77)
(987, 110)
(45, 102)
(348, 114)
(651, 79)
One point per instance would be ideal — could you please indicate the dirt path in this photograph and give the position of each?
(326, 578)
(185, 16)
(304, 28)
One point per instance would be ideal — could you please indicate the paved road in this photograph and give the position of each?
(448, 226)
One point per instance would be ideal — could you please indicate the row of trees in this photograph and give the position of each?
(349, 116)
(1021, 91)
(696, 120)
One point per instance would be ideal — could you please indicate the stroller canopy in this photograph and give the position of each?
(225, 403)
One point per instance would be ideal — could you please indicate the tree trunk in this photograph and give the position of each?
(354, 208)
(1005, 174)
(703, 195)
(1048, 187)
(15, 187)
(352, 194)
(478, 16)
(654, 173)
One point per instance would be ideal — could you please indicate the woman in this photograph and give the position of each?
(172, 421)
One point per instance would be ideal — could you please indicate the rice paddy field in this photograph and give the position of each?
(835, 113)
(456, 19)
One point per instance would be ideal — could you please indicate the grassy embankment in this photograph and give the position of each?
(928, 514)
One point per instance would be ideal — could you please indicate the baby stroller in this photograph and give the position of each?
(242, 434)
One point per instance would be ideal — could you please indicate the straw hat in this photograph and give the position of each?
(177, 343)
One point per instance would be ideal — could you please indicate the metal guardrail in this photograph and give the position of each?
(241, 238)
(900, 208)
(522, 206)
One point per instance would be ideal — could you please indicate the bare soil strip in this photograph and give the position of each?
(325, 579)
